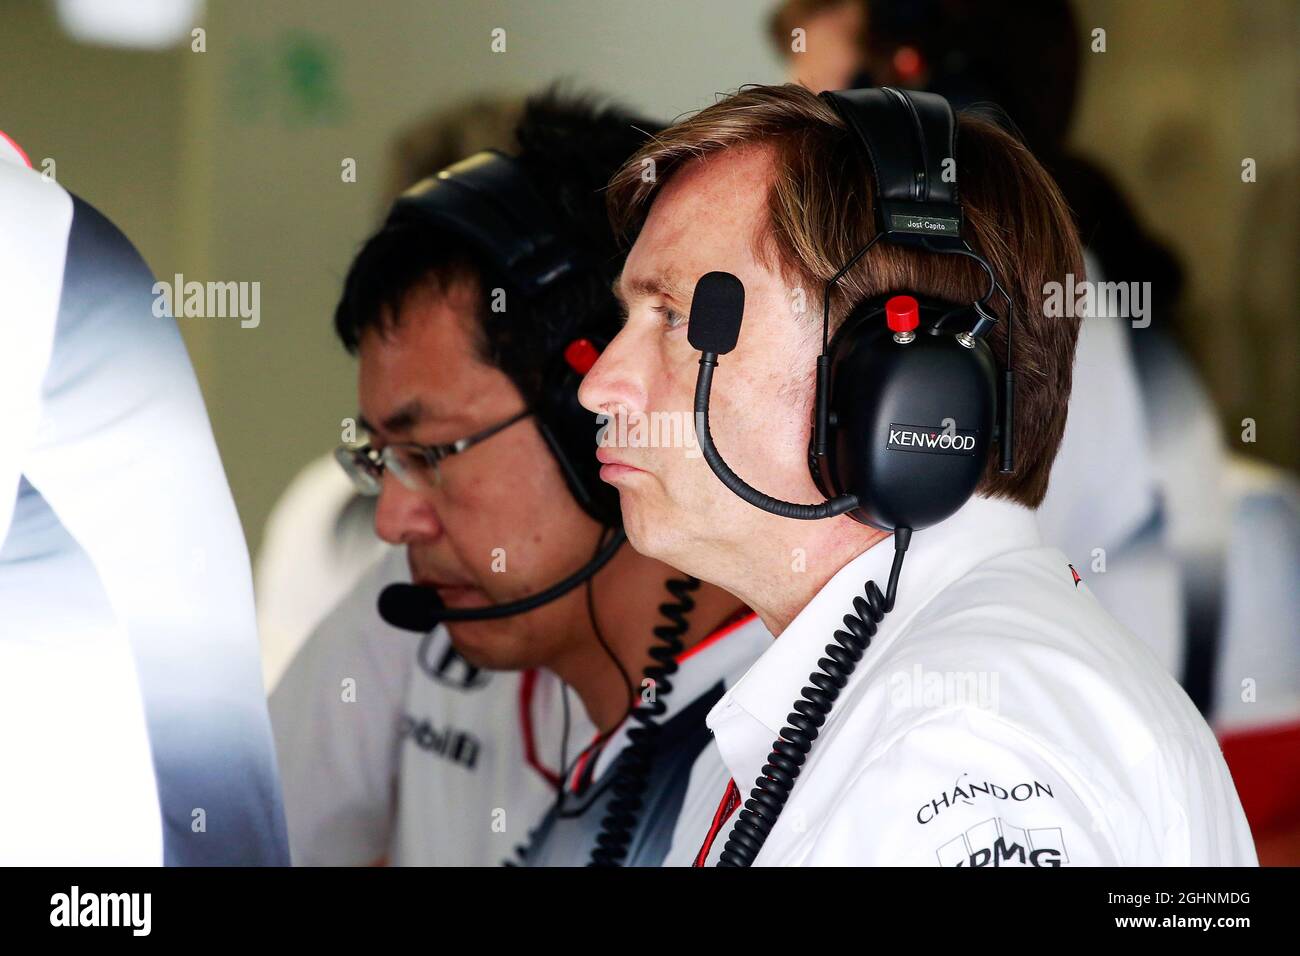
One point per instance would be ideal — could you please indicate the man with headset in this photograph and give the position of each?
(976, 706)
(442, 733)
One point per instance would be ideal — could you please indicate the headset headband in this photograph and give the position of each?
(914, 198)
(489, 201)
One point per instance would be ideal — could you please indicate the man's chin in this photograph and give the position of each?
(645, 528)
(668, 537)
(492, 645)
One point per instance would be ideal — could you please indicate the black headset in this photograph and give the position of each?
(907, 389)
(907, 418)
(490, 202)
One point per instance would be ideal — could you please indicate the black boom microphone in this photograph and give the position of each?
(717, 308)
(415, 608)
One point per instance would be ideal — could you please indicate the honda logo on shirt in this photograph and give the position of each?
(448, 667)
(933, 440)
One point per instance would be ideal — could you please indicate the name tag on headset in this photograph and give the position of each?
(924, 225)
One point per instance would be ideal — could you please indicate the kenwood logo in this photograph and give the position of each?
(933, 440)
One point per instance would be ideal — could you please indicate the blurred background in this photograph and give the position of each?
(226, 163)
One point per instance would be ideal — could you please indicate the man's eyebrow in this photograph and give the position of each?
(404, 419)
(666, 284)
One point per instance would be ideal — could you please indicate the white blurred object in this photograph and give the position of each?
(69, 673)
(1102, 505)
(1190, 532)
(1257, 673)
(127, 634)
(319, 540)
(138, 24)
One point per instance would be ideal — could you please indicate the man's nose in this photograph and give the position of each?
(404, 516)
(616, 380)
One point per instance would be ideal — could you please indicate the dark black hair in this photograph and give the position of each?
(569, 146)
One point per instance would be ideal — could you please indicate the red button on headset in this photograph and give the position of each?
(902, 313)
(581, 355)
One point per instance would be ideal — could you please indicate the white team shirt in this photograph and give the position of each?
(434, 762)
(999, 717)
(386, 743)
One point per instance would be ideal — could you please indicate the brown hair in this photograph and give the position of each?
(820, 198)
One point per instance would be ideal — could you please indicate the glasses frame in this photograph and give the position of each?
(364, 460)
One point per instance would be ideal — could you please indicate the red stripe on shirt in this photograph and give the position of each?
(730, 801)
(737, 621)
(526, 686)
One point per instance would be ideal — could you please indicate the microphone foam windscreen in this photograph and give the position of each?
(716, 310)
(410, 607)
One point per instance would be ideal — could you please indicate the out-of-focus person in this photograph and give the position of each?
(319, 538)
(821, 41)
(135, 724)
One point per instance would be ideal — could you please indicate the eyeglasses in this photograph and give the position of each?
(415, 466)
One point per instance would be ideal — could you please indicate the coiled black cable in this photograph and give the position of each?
(521, 850)
(795, 739)
(637, 758)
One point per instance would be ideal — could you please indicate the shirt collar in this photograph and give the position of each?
(747, 719)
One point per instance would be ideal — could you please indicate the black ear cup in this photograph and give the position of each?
(910, 422)
(571, 433)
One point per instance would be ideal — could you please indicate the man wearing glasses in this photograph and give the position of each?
(474, 313)
(415, 466)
